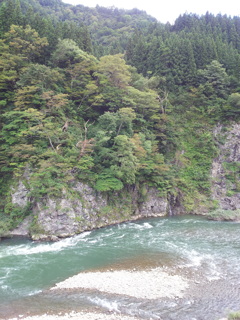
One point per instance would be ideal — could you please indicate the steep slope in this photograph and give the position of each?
(226, 167)
(87, 140)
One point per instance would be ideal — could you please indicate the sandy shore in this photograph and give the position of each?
(152, 284)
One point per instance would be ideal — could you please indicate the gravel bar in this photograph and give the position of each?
(149, 284)
(152, 284)
(79, 316)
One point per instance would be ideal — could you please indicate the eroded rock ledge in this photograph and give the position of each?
(86, 210)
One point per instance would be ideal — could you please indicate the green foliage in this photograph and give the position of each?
(215, 80)
(69, 116)
(224, 215)
(115, 69)
(15, 214)
(48, 181)
(5, 226)
(107, 182)
(67, 52)
(35, 228)
(231, 109)
(234, 315)
(125, 163)
(193, 159)
(232, 174)
(25, 42)
(177, 53)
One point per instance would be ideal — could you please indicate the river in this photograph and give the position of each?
(207, 252)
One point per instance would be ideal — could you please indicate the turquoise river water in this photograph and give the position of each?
(205, 252)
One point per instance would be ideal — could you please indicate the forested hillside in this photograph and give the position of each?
(114, 99)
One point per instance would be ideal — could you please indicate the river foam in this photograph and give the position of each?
(44, 247)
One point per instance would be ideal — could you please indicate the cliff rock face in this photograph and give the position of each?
(153, 205)
(85, 209)
(226, 168)
(20, 195)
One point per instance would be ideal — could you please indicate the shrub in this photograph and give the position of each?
(234, 315)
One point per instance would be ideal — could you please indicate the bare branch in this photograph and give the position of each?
(65, 127)
(162, 99)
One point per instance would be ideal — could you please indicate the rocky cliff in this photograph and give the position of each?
(87, 209)
(225, 172)
(84, 208)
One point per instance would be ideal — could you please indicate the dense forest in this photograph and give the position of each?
(113, 98)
